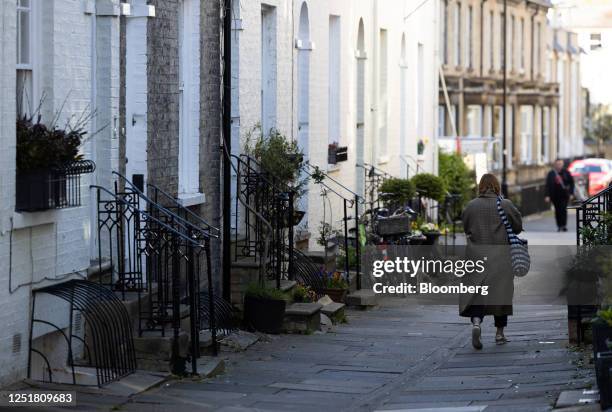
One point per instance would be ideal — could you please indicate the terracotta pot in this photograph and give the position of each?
(336, 294)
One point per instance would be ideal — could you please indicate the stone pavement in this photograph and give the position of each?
(404, 355)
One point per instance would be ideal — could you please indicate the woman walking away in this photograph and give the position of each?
(487, 237)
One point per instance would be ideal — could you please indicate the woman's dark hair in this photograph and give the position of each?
(489, 182)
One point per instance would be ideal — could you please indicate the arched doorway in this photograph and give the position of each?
(360, 109)
(303, 93)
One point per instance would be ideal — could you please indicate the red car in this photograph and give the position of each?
(598, 170)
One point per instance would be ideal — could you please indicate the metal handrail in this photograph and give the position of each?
(188, 211)
(327, 176)
(250, 159)
(377, 170)
(181, 222)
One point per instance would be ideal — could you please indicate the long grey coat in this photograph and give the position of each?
(487, 236)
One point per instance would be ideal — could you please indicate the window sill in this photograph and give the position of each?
(331, 168)
(383, 160)
(191, 199)
(24, 220)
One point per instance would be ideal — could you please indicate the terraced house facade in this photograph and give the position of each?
(544, 95)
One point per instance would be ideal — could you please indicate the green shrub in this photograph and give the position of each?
(262, 292)
(396, 191)
(304, 294)
(457, 177)
(429, 186)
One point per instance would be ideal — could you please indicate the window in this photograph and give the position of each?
(441, 120)
(334, 80)
(545, 144)
(443, 31)
(595, 41)
(474, 120)
(383, 92)
(470, 39)
(189, 102)
(26, 91)
(496, 131)
(457, 34)
(511, 42)
(500, 46)
(268, 68)
(526, 134)
(536, 50)
(521, 45)
(492, 38)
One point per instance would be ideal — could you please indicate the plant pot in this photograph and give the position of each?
(264, 315)
(336, 294)
(416, 240)
(431, 238)
(603, 364)
(602, 338)
(38, 190)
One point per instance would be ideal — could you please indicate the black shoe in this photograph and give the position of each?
(564, 229)
(558, 229)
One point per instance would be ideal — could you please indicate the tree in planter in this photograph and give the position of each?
(429, 186)
(457, 177)
(396, 192)
(279, 157)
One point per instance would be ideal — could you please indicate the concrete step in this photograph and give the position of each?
(304, 318)
(362, 299)
(333, 310)
(154, 352)
(285, 285)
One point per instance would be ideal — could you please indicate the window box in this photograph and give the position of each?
(336, 154)
(43, 189)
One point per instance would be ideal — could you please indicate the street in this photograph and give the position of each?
(400, 356)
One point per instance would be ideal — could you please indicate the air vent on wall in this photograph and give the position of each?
(17, 343)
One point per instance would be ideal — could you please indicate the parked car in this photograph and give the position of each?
(599, 172)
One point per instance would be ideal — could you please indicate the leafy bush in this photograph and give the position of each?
(279, 157)
(304, 294)
(262, 292)
(396, 191)
(335, 280)
(42, 147)
(429, 186)
(457, 177)
(352, 255)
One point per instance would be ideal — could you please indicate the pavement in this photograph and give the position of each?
(402, 356)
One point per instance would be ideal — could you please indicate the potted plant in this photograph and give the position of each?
(43, 155)
(396, 192)
(429, 186)
(264, 308)
(336, 287)
(304, 294)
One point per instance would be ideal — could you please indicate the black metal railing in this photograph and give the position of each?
(264, 218)
(592, 213)
(373, 179)
(350, 202)
(153, 250)
(51, 189)
(98, 322)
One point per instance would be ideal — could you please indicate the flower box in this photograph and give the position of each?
(336, 154)
(338, 295)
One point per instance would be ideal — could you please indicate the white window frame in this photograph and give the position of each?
(189, 104)
(457, 34)
(527, 129)
(474, 120)
(34, 50)
(469, 50)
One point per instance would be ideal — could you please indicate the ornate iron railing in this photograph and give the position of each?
(373, 178)
(152, 249)
(591, 213)
(264, 213)
(350, 201)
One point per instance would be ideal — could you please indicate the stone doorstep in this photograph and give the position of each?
(335, 311)
(160, 347)
(363, 299)
(302, 318)
(285, 285)
(576, 398)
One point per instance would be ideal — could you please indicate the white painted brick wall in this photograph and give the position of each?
(420, 28)
(61, 245)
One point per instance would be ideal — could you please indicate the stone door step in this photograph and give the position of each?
(362, 299)
(302, 318)
(285, 285)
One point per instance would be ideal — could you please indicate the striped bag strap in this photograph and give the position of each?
(502, 214)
